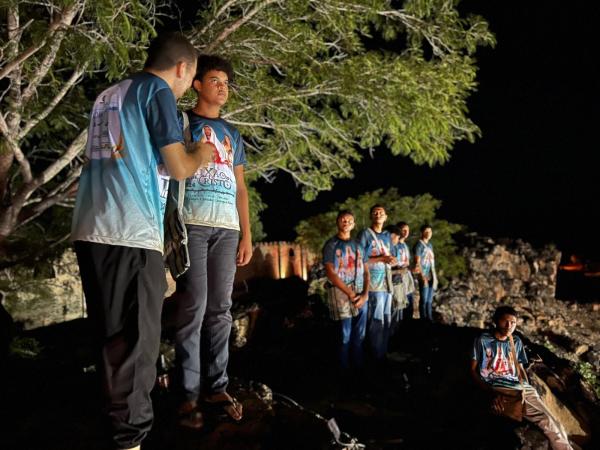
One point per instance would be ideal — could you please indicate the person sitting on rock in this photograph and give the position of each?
(498, 368)
(348, 275)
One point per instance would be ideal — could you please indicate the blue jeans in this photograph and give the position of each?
(378, 322)
(408, 311)
(203, 317)
(425, 301)
(352, 333)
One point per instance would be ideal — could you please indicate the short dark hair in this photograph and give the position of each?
(206, 63)
(393, 229)
(168, 49)
(401, 224)
(425, 226)
(501, 311)
(344, 212)
(377, 205)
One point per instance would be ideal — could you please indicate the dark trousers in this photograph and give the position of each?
(202, 312)
(124, 289)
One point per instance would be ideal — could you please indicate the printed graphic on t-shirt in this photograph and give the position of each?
(403, 254)
(210, 194)
(347, 258)
(376, 247)
(106, 140)
(495, 360)
(425, 252)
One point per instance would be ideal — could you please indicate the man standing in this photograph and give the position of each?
(134, 144)
(425, 270)
(344, 260)
(377, 245)
(216, 213)
(497, 366)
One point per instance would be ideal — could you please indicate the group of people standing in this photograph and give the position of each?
(371, 283)
(136, 143)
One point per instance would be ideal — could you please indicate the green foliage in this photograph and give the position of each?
(25, 347)
(316, 89)
(415, 211)
(587, 372)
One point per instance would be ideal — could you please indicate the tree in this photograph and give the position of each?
(315, 86)
(48, 48)
(416, 211)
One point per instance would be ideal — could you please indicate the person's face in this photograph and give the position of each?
(427, 233)
(378, 216)
(506, 324)
(213, 88)
(185, 74)
(404, 232)
(395, 238)
(345, 223)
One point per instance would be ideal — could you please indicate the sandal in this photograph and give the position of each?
(189, 416)
(229, 408)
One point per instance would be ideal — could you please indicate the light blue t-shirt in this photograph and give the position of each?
(495, 362)
(123, 186)
(348, 258)
(210, 194)
(425, 252)
(379, 245)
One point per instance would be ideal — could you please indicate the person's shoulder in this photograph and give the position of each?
(517, 340)
(486, 336)
(331, 242)
(231, 128)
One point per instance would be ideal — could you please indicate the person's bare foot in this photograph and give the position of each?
(190, 416)
(222, 402)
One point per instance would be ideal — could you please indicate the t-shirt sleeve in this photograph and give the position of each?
(521, 355)
(164, 121)
(239, 157)
(419, 249)
(361, 249)
(329, 252)
(476, 347)
(363, 240)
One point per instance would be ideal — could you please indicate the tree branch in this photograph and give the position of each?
(73, 80)
(63, 20)
(237, 24)
(16, 149)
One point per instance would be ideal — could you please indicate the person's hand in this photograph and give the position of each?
(361, 299)
(388, 259)
(244, 253)
(351, 294)
(497, 405)
(425, 281)
(204, 152)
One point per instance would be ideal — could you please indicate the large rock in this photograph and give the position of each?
(44, 293)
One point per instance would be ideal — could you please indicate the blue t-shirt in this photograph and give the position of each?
(425, 252)
(348, 258)
(123, 186)
(210, 194)
(378, 246)
(495, 363)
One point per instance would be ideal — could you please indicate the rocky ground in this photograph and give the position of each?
(422, 398)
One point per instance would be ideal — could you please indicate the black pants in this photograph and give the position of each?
(124, 289)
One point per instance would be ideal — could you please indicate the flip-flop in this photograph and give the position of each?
(190, 417)
(220, 408)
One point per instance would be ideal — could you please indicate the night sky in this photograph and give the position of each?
(532, 174)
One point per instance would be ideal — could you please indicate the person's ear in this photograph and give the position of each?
(197, 85)
(180, 69)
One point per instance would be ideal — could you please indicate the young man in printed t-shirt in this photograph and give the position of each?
(215, 212)
(403, 284)
(425, 270)
(134, 144)
(377, 245)
(344, 260)
(494, 367)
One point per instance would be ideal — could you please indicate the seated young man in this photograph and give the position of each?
(344, 260)
(494, 368)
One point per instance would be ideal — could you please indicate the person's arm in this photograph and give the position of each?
(244, 253)
(181, 164)
(364, 295)
(333, 278)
